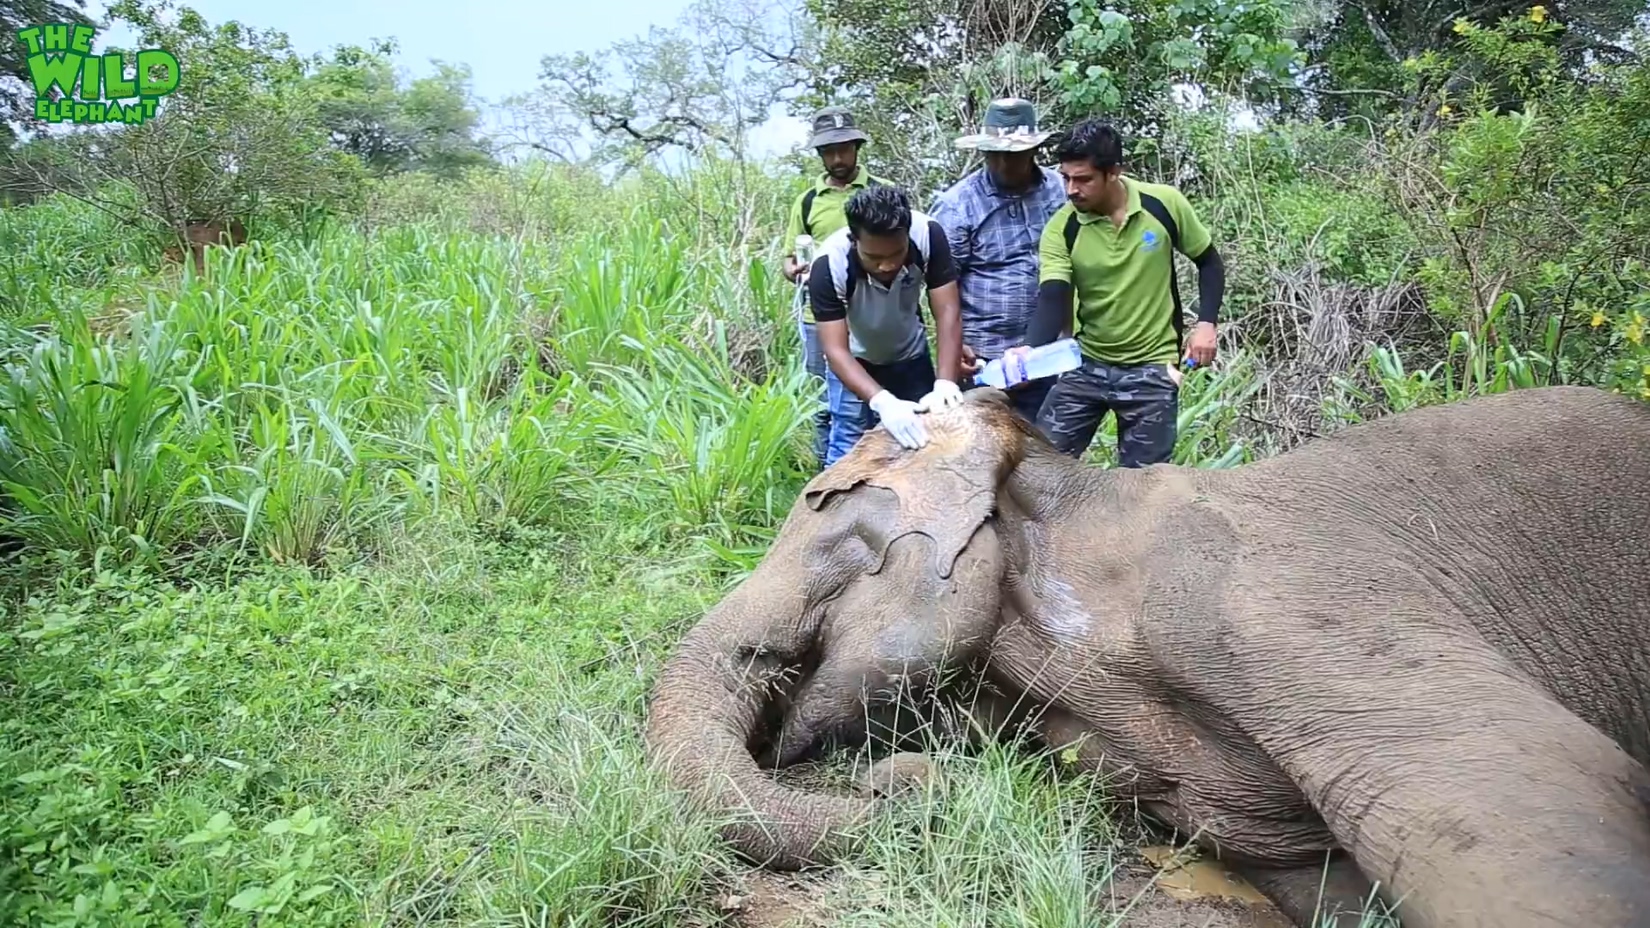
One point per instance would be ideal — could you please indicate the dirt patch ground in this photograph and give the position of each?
(1196, 895)
(1153, 887)
(1202, 894)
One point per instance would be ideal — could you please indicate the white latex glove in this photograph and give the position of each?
(900, 417)
(944, 396)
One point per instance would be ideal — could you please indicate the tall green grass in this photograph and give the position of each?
(62, 253)
(300, 398)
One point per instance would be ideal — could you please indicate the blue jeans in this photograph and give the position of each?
(851, 417)
(813, 358)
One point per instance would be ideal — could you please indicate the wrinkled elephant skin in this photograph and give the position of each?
(1417, 648)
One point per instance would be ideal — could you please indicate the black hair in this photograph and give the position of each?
(879, 209)
(1094, 141)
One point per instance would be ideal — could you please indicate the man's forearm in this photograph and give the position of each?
(1053, 313)
(948, 334)
(852, 374)
(1211, 285)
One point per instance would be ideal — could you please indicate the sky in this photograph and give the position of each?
(501, 40)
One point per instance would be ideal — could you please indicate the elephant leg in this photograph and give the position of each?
(1467, 791)
(1313, 897)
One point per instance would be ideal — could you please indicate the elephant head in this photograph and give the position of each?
(886, 573)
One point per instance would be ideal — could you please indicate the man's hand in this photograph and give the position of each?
(1009, 363)
(971, 363)
(944, 396)
(1201, 347)
(900, 416)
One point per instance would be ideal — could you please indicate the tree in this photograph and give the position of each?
(699, 87)
(428, 125)
(921, 71)
(1357, 51)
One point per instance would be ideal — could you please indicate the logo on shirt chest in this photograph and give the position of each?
(1149, 240)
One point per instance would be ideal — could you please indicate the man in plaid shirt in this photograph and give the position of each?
(994, 219)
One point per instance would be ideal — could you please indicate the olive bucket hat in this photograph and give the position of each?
(1010, 125)
(833, 125)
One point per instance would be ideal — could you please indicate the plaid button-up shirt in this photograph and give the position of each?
(993, 236)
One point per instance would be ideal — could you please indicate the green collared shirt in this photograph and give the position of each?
(1119, 276)
(825, 215)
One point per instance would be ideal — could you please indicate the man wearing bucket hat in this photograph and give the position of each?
(993, 219)
(817, 212)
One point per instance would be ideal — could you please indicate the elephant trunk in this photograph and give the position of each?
(705, 712)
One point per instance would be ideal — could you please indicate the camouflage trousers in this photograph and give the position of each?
(1145, 399)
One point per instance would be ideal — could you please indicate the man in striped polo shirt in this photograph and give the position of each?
(993, 219)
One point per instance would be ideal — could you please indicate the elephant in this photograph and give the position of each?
(1415, 648)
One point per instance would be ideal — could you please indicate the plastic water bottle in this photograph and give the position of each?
(804, 252)
(1044, 361)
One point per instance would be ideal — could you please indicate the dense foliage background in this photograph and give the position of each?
(341, 561)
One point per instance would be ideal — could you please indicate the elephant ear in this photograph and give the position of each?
(946, 489)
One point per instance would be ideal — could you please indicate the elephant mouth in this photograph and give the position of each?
(791, 731)
(795, 750)
(784, 736)
(773, 743)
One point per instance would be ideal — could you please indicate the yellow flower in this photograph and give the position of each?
(1461, 26)
(1445, 110)
(1598, 318)
(1538, 14)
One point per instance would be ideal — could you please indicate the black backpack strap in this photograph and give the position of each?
(807, 209)
(915, 256)
(1160, 212)
(1072, 228)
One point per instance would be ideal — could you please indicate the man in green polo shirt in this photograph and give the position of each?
(1113, 245)
(817, 212)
